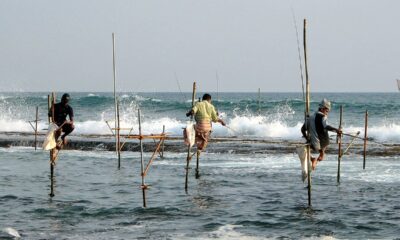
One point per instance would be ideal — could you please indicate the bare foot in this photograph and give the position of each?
(314, 163)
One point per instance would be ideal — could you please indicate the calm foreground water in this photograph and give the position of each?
(237, 197)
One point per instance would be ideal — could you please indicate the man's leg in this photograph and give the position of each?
(67, 129)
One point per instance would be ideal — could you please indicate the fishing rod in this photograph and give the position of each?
(299, 53)
(361, 138)
(233, 130)
(216, 75)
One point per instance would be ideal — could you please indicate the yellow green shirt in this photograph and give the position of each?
(204, 111)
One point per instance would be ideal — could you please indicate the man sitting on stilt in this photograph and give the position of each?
(318, 128)
(61, 111)
(204, 113)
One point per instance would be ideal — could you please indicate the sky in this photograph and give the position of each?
(51, 45)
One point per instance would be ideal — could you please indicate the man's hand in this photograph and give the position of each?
(189, 113)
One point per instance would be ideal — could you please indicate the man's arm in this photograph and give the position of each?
(332, 129)
(71, 115)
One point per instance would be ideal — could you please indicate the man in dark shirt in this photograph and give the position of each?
(318, 128)
(61, 111)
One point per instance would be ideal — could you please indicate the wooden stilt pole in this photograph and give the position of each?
(339, 139)
(115, 102)
(307, 113)
(162, 144)
(143, 186)
(188, 150)
(259, 101)
(365, 138)
(52, 160)
(197, 163)
(36, 126)
(118, 137)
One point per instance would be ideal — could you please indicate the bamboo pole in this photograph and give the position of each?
(307, 113)
(143, 186)
(36, 126)
(188, 150)
(118, 149)
(259, 101)
(197, 163)
(162, 144)
(115, 100)
(365, 138)
(339, 139)
(52, 163)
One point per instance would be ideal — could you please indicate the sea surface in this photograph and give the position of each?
(238, 196)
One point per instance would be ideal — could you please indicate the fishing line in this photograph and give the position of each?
(179, 87)
(299, 52)
(216, 75)
(368, 139)
(236, 132)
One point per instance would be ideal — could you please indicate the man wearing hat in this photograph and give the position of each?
(61, 111)
(318, 128)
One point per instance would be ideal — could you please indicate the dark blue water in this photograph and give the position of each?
(255, 196)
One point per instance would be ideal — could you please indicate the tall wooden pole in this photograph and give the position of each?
(197, 164)
(339, 139)
(365, 138)
(52, 102)
(259, 101)
(307, 113)
(188, 150)
(36, 126)
(162, 144)
(141, 160)
(117, 132)
(115, 101)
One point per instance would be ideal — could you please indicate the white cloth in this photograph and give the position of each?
(50, 139)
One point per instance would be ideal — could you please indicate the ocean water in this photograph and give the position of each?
(257, 196)
(273, 115)
(238, 196)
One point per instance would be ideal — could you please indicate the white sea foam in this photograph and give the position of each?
(228, 231)
(240, 126)
(12, 232)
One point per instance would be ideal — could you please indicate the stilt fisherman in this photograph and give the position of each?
(204, 113)
(61, 111)
(318, 128)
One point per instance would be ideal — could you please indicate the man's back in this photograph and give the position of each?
(61, 111)
(318, 134)
(205, 111)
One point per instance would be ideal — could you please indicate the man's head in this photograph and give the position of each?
(325, 106)
(207, 97)
(65, 98)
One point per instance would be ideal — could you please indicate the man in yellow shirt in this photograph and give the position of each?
(204, 113)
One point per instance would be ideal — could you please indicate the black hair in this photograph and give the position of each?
(206, 97)
(65, 96)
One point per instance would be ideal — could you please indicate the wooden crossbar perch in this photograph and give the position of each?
(153, 156)
(145, 169)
